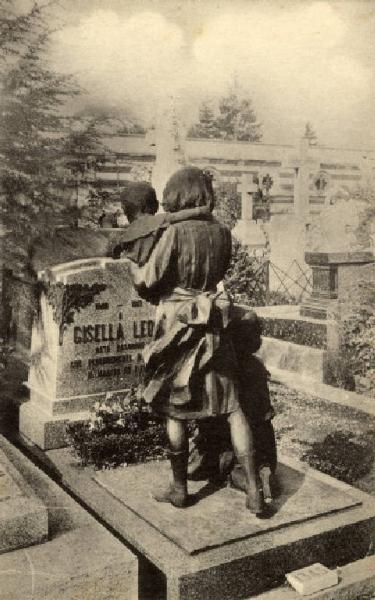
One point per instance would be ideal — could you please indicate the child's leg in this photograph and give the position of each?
(177, 435)
(243, 444)
(265, 445)
(178, 456)
(266, 458)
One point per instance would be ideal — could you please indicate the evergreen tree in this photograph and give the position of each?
(206, 126)
(33, 167)
(83, 147)
(235, 119)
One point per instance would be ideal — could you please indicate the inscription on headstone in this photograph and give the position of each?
(89, 338)
(103, 328)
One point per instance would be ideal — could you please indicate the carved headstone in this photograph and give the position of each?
(86, 343)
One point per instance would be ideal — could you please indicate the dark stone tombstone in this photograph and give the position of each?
(334, 276)
(86, 343)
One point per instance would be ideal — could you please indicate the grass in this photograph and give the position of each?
(303, 422)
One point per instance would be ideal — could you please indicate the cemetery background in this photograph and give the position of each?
(282, 188)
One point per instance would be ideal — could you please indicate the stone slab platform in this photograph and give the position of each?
(218, 517)
(80, 560)
(293, 358)
(23, 517)
(243, 567)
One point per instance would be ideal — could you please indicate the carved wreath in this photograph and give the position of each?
(67, 300)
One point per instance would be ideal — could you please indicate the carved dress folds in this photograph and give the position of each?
(191, 364)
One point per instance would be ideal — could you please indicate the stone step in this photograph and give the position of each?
(23, 517)
(286, 323)
(80, 560)
(324, 391)
(304, 361)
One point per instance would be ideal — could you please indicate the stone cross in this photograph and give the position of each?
(303, 164)
(248, 231)
(247, 188)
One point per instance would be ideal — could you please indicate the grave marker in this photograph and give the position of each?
(86, 343)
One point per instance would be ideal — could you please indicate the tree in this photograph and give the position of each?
(33, 168)
(83, 147)
(207, 125)
(113, 121)
(310, 134)
(17, 30)
(235, 119)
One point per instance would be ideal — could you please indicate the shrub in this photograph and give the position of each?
(227, 203)
(277, 297)
(358, 335)
(247, 277)
(343, 455)
(120, 431)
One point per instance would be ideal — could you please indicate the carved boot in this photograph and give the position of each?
(270, 484)
(255, 499)
(176, 494)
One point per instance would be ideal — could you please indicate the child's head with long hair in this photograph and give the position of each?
(137, 199)
(189, 187)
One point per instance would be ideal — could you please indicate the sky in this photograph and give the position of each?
(298, 61)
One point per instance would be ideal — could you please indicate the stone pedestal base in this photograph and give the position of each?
(217, 549)
(250, 234)
(23, 518)
(43, 429)
(336, 275)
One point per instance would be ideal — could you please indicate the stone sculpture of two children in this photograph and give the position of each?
(201, 364)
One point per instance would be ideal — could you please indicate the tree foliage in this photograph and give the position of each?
(247, 277)
(207, 126)
(34, 195)
(358, 335)
(227, 203)
(234, 119)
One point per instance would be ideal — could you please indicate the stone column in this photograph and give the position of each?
(247, 188)
(170, 146)
(303, 164)
(301, 184)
